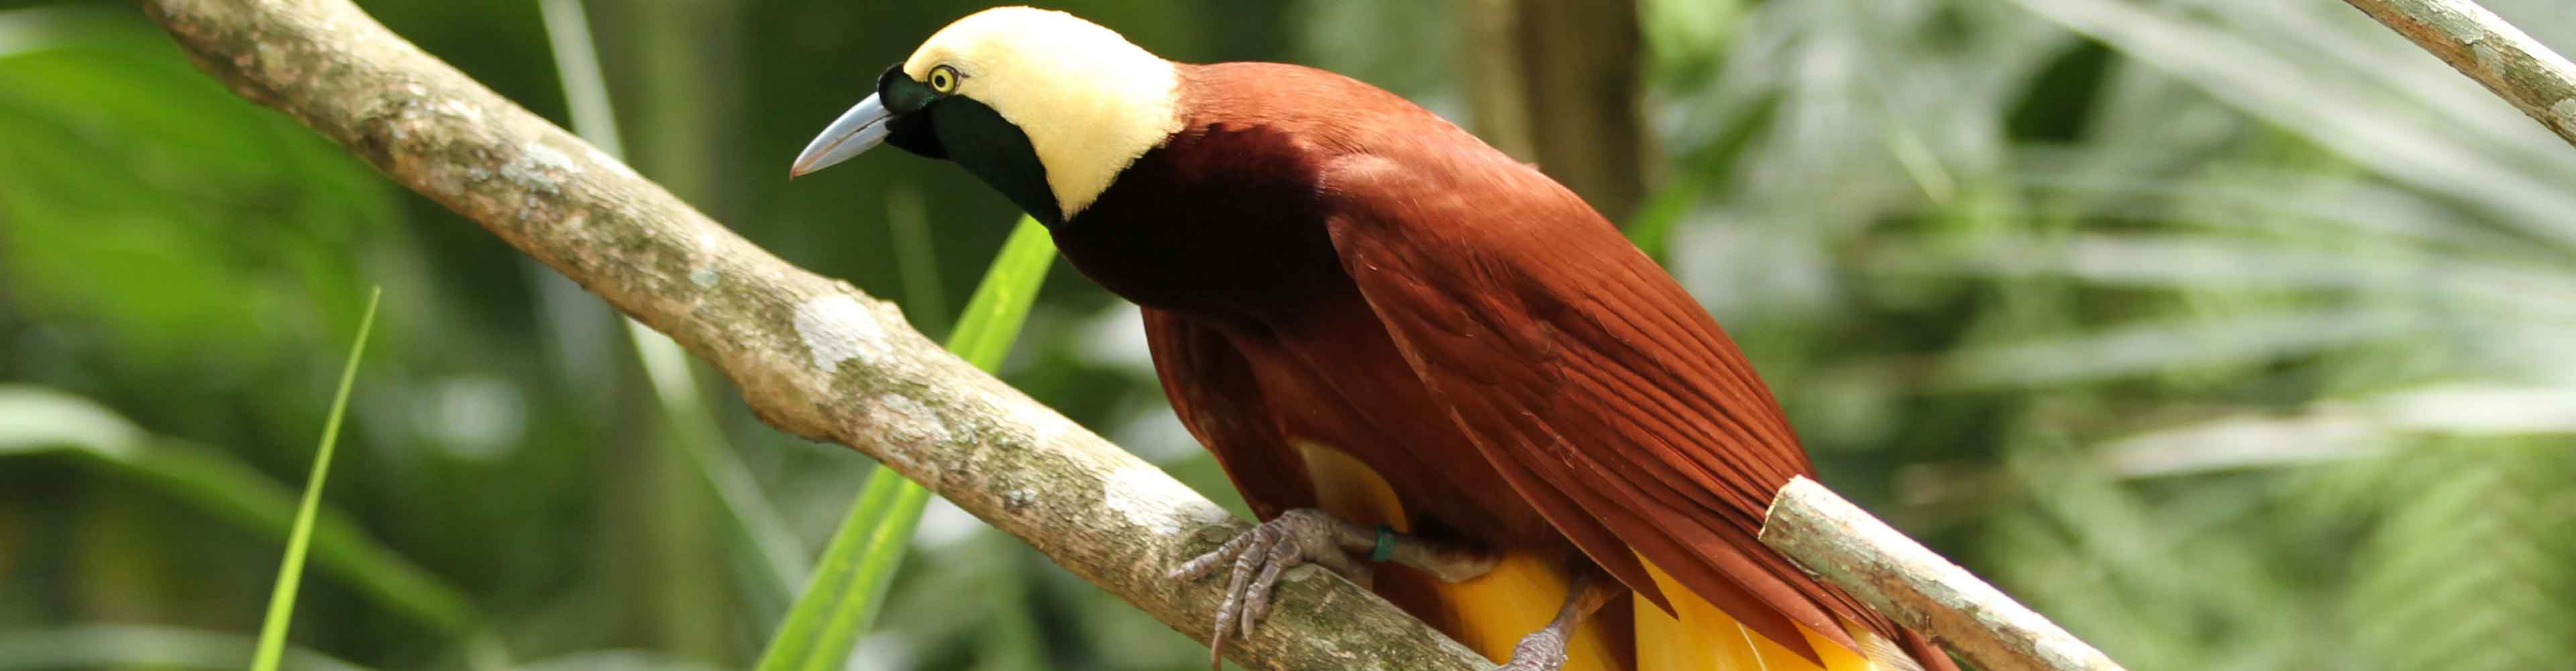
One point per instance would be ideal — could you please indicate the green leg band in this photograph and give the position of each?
(1385, 544)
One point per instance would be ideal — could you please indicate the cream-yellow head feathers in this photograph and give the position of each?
(1089, 101)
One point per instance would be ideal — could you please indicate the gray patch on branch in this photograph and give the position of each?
(837, 328)
(539, 168)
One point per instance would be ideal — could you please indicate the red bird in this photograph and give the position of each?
(1424, 364)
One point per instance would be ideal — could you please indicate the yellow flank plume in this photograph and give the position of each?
(1704, 638)
(1350, 490)
(1491, 613)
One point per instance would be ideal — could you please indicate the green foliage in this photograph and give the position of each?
(290, 571)
(850, 585)
(137, 646)
(47, 421)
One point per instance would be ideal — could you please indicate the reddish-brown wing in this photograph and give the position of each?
(1213, 391)
(1605, 394)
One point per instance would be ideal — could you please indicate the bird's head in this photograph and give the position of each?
(1045, 107)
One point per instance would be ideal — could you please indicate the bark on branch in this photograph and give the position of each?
(813, 356)
(1844, 545)
(2481, 45)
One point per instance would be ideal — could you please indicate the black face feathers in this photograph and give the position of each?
(984, 143)
(961, 129)
(904, 98)
(900, 94)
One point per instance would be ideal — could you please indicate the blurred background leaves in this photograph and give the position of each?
(2235, 335)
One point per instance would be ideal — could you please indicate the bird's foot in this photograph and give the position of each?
(1295, 538)
(1542, 650)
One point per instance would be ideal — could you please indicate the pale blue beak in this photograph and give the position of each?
(858, 130)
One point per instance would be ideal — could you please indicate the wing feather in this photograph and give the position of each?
(1212, 389)
(1605, 393)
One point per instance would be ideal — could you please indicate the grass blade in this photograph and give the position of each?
(842, 599)
(281, 601)
(1001, 302)
(585, 88)
(797, 636)
(777, 558)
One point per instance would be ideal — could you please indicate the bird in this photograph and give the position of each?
(1425, 365)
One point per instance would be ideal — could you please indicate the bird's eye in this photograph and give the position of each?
(943, 79)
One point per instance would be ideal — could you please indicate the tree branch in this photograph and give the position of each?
(1844, 545)
(813, 356)
(2481, 45)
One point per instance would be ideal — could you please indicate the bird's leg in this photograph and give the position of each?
(1544, 650)
(1450, 562)
(1309, 535)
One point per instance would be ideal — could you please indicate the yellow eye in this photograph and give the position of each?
(943, 79)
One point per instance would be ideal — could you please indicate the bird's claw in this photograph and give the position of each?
(1295, 538)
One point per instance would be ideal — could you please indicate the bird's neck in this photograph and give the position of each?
(1094, 121)
(1218, 223)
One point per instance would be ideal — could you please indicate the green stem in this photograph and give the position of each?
(290, 572)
